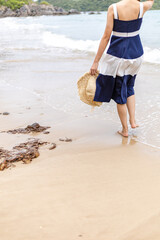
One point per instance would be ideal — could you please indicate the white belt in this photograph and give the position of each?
(124, 34)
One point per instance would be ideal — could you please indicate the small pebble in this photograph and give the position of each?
(65, 139)
(5, 113)
(46, 132)
(53, 146)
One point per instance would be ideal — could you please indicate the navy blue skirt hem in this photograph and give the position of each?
(118, 88)
(122, 102)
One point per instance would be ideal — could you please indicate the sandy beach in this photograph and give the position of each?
(99, 186)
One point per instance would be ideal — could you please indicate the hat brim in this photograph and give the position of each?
(87, 87)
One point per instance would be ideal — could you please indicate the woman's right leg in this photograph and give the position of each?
(131, 111)
(122, 112)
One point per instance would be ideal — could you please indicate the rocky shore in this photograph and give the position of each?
(35, 10)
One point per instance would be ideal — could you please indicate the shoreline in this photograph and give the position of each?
(84, 129)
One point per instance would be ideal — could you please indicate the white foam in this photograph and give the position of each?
(152, 55)
(14, 25)
(61, 41)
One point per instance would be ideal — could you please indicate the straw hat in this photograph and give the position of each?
(86, 89)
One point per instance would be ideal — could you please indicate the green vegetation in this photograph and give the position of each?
(89, 5)
(44, 2)
(14, 4)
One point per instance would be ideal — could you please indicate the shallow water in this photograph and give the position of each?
(46, 55)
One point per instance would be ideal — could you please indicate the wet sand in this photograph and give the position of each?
(99, 186)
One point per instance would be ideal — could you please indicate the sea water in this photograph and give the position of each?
(46, 55)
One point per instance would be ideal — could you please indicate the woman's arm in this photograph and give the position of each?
(104, 40)
(147, 5)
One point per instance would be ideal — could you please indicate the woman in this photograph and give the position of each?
(122, 60)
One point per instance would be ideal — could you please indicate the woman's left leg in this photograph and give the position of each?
(122, 112)
(131, 111)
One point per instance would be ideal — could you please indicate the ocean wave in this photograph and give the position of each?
(61, 41)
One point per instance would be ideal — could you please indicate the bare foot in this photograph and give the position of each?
(134, 124)
(123, 133)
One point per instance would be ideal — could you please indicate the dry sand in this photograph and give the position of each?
(98, 187)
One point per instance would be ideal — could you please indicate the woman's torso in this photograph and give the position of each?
(125, 41)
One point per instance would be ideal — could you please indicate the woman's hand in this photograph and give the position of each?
(94, 68)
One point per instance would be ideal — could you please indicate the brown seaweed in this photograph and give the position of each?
(33, 128)
(24, 152)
